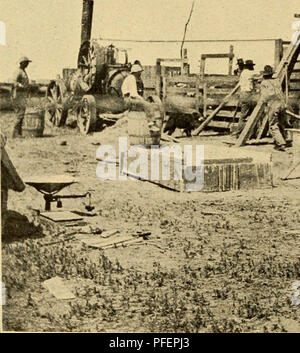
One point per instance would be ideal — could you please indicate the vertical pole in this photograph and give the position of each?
(231, 56)
(158, 78)
(202, 67)
(185, 68)
(164, 89)
(278, 52)
(205, 99)
(197, 93)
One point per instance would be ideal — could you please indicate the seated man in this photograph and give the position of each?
(133, 100)
(271, 94)
(129, 86)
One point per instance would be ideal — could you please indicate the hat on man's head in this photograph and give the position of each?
(240, 61)
(24, 59)
(136, 68)
(268, 70)
(249, 63)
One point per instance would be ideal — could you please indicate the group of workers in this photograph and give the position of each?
(271, 95)
(132, 91)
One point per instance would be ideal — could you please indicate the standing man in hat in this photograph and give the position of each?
(246, 95)
(272, 95)
(19, 95)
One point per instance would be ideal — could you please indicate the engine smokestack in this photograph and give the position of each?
(86, 21)
(86, 30)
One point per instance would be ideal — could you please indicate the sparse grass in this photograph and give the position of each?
(228, 285)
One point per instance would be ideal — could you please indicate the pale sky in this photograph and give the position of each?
(48, 31)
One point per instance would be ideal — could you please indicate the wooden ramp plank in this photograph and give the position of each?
(250, 124)
(262, 128)
(216, 111)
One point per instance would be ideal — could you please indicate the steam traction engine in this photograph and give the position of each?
(94, 87)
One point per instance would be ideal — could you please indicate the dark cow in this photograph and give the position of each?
(187, 122)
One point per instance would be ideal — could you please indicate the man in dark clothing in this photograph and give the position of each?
(271, 94)
(240, 68)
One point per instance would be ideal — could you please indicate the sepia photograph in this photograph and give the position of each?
(150, 169)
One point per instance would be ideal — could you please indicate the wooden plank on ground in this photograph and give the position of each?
(102, 243)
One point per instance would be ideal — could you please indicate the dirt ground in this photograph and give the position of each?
(215, 262)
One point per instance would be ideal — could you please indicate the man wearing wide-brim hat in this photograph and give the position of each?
(129, 88)
(272, 96)
(129, 85)
(132, 94)
(240, 67)
(247, 101)
(20, 93)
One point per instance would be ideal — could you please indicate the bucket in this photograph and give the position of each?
(33, 124)
(139, 132)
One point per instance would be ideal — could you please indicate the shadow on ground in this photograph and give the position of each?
(16, 226)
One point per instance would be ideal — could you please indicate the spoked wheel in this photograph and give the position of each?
(56, 112)
(87, 114)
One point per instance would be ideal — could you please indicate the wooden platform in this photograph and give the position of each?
(224, 169)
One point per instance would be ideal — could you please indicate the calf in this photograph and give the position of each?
(187, 122)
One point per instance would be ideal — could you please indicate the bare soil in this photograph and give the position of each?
(215, 262)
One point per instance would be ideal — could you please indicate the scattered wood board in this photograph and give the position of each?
(102, 243)
(109, 233)
(126, 243)
(57, 287)
(61, 216)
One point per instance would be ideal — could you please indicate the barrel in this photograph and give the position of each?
(139, 131)
(33, 124)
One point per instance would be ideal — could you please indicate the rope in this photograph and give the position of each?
(187, 41)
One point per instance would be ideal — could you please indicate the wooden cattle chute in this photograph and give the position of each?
(187, 92)
(287, 71)
(216, 96)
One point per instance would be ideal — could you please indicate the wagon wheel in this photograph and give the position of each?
(87, 114)
(94, 66)
(56, 113)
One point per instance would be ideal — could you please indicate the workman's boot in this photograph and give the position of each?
(280, 148)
